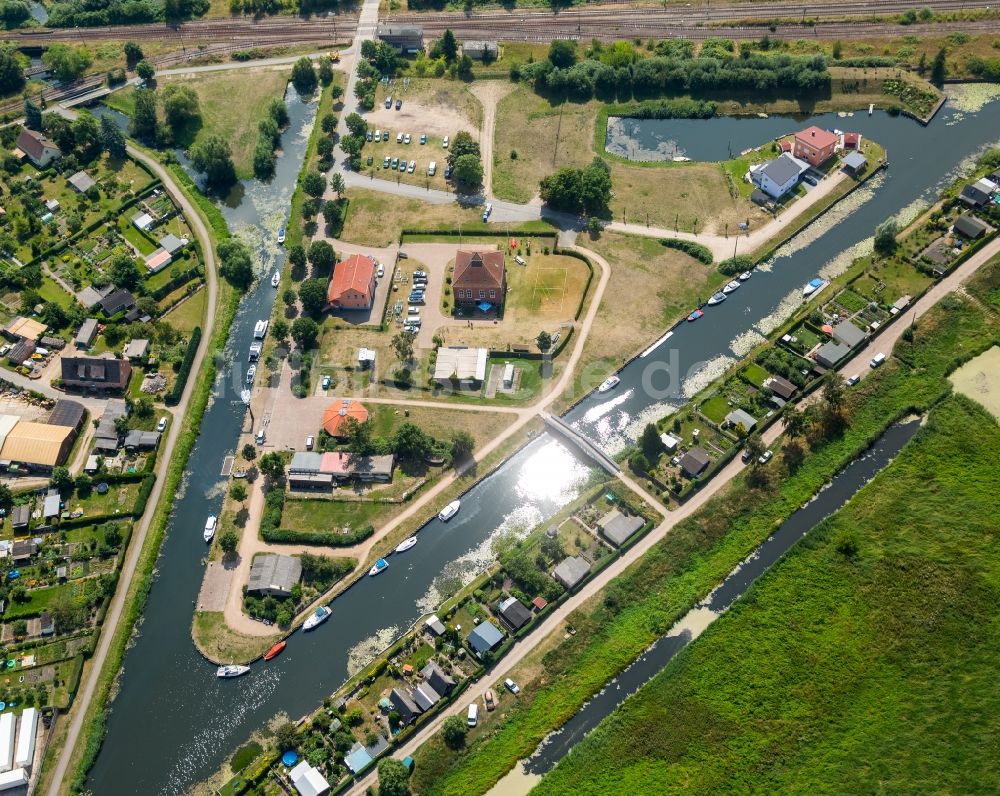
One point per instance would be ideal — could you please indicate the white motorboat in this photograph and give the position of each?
(251, 373)
(745, 276)
(406, 544)
(609, 384)
(281, 235)
(813, 286)
(317, 617)
(259, 330)
(256, 347)
(232, 670)
(717, 298)
(210, 524)
(734, 285)
(380, 566)
(450, 510)
(245, 396)
(276, 279)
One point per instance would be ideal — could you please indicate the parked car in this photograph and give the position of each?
(511, 686)
(417, 298)
(369, 135)
(765, 457)
(402, 255)
(489, 699)
(162, 425)
(371, 159)
(423, 138)
(399, 138)
(406, 138)
(395, 162)
(447, 171)
(326, 382)
(852, 380)
(399, 104)
(412, 166)
(380, 271)
(432, 168)
(385, 162)
(473, 714)
(487, 211)
(809, 178)
(877, 360)
(444, 142)
(309, 442)
(261, 436)
(402, 164)
(388, 101)
(378, 135)
(746, 456)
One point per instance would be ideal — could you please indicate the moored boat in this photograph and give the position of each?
(734, 285)
(813, 286)
(745, 276)
(449, 511)
(317, 617)
(232, 670)
(251, 372)
(281, 235)
(609, 384)
(210, 524)
(259, 330)
(406, 544)
(276, 279)
(380, 566)
(695, 316)
(717, 298)
(275, 651)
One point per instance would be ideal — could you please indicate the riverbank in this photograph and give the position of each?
(695, 556)
(74, 752)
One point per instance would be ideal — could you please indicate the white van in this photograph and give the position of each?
(260, 436)
(877, 360)
(519, 259)
(473, 714)
(309, 442)
(432, 169)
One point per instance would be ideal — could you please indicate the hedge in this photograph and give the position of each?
(174, 396)
(690, 248)
(143, 496)
(285, 536)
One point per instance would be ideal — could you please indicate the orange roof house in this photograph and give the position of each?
(814, 145)
(480, 276)
(352, 284)
(336, 415)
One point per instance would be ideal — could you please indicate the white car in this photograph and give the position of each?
(399, 138)
(444, 142)
(406, 138)
(380, 271)
(877, 360)
(412, 166)
(511, 686)
(473, 715)
(765, 457)
(162, 425)
(378, 136)
(852, 380)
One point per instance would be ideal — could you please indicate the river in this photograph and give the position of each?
(173, 723)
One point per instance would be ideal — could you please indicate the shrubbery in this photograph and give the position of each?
(736, 265)
(174, 396)
(690, 248)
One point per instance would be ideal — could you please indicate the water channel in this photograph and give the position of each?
(173, 723)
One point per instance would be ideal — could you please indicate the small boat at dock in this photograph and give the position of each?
(210, 524)
(695, 316)
(609, 384)
(734, 285)
(406, 544)
(813, 286)
(233, 670)
(276, 279)
(275, 651)
(717, 298)
(449, 511)
(745, 276)
(380, 566)
(317, 617)
(251, 373)
(281, 235)
(259, 330)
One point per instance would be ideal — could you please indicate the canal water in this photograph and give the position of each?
(173, 723)
(921, 160)
(833, 497)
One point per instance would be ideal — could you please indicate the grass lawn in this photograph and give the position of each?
(51, 291)
(188, 314)
(217, 639)
(755, 374)
(38, 600)
(135, 237)
(847, 668)
(439, 423)
(330, 515)
(376, 219)
(715, 409)
(898, 278)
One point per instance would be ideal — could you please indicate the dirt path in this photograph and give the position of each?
(92, 676)
(523, 647)
(489, 92)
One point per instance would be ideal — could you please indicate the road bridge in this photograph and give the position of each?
(591, 450)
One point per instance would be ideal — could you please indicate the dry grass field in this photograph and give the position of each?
(979, 379)
(376, 219)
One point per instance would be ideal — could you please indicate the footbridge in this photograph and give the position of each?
(589, 449)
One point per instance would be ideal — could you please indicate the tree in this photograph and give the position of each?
(885, 237)
(312, 294)
(468, 170)
(235, 263)
(453, 732)
(392, 777)
(412, 442)
(304, 333)
(32, 115)
(325, 71)
(238, 491)
(6, 497)
(279, 329)
(562, 53)
(61, 479)
(402, 344)
(229, 540)
(304, 76)
(586, 190)
(112, 139)
(278, 111)
(272, 465)
(356, 124)
(795, 422)
(462, 445)
(463, 144)
(143, 124)
(144, 69)
(337, 183)
(543, 341)
(324, 147)
(357, 436)
(938, 68)
(86, 132)
(11, 71)
(833, 392)
(321, 257)
(314, 183)
(180, 105)
(753, 447)
(285, 737)
(249, 452)
(133, 54)
(213, 158)
(448, 46)
(123, 272)
(333, 213)
(66, 63)
(297, 255)
(792, 454)
(837, 50)
(651, 444)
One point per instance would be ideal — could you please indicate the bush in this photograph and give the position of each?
(174, 396)
(696, 250)
(285, 536)
(736, 265)
(143, 496)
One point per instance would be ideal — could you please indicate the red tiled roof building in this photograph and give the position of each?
(352, 284)
(815, 146)
(480, 276)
